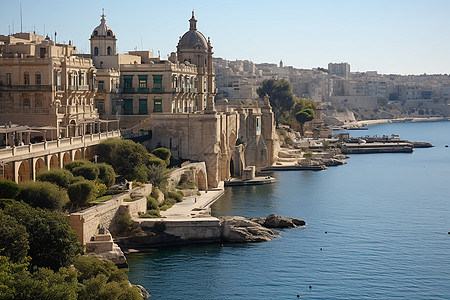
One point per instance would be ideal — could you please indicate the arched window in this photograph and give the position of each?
(37, 78)
(95, 51)
(95, 33)
(108, 50)
(108, 33)
(26, 78)
(26, 103)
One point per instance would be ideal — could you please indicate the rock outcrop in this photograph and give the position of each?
(276, 221)
(240, 229)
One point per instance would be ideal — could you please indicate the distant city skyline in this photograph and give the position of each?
(391, 37)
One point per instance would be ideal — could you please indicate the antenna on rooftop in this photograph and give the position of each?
(20, 16)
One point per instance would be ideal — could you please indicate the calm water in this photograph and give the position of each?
(387, 218)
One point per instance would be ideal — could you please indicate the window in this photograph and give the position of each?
(95, 51)
(26, 103)
(157, 105)
(157, 83)
(108, 50)
(128, 106)
(108, 34)
(142, 83)
(42, 52)
(128, 84)
(38, 103)
(8, 79)
(143, 107)
(101, 86)
(95, 33)
(38, 78)
(26, 78)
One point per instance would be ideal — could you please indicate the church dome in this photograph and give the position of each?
(102, 30)
(193, 39)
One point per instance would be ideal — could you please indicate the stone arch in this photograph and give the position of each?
(24, 171)
(6, 172)
(40, 166)
(65, 159)
(54, 162)
(201, 181)
(77, 155)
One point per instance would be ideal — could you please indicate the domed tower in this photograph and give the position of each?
(103, 40)
(195, 49)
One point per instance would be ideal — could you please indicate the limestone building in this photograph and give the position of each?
(177, 97)
(46, 84)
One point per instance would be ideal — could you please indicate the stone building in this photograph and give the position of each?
(47, 112)
(177, 97)
(46, 84)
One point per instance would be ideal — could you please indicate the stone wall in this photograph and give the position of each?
(87, 222)
(194, 172)
(178, 231)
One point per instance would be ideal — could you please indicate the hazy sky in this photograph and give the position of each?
(389, 36)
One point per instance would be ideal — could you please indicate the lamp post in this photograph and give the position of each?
(95, 158)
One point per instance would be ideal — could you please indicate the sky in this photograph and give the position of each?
(388, 36)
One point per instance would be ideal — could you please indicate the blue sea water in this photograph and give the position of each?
(387, 218)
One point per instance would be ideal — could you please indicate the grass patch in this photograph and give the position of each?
(102, 199)
(129, 200)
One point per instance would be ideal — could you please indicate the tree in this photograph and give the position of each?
(304, 116)
(107, 176)
(8, 189)
(81, 192)
(17, 282)
(13, 238)
(129, 159)
(87, 171)
(280, 95)
(158, 176)
(53, 243)
(75, 164)
(42, 194)
(61, 177)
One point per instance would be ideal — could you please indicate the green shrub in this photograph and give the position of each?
(87, 171)
(128, 200)
(168, 202)
(124, 222)
(155, 161)
(101, 279)
(163, 153)
(106, 174)
(8, 189)
(178, 196)
(75, 164)
(165, 207)
(61, 177)
(152, 203)
(155, 193)
(81, 192)
(42, 194)
(151, 213)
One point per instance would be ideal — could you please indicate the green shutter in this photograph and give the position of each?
(157, 84)
(157, 105)
(143, 107)
(128, 106)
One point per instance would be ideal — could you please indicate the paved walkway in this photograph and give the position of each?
(194, 206)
